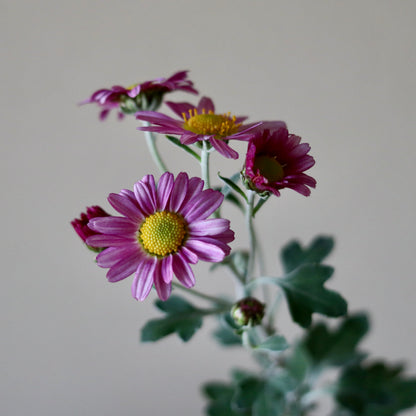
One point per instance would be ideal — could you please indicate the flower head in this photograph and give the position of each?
(277, 160)
(147, 95)
(163, 229)
(200, 123)
(80, 225)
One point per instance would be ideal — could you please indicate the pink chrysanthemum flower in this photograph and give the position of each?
(200, 123)
(163, 229)
(80, 225)
(277, 160)
(139, 96)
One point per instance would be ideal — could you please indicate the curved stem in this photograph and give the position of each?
(251, 235)
(201, 295)
(151, 144)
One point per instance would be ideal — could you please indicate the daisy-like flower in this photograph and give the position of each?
(80, 225)
(163, 229)
(277, 160)
(200, 123)
(146, 95)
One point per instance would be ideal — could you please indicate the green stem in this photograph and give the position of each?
(201, 295)
(251, 235)
(151, 144)
(205, 165)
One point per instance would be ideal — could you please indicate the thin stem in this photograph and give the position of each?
(251, 235)
(205, 165)
(151, 144)
(201, 295)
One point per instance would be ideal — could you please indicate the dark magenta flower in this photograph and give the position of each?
(277, 160)
(200, 123)
(80, 225)
(146, 95)
(163, 229)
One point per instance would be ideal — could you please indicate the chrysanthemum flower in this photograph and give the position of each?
(200, 123)
(80, 225)
(277, 160)
(163, 229)
(139, 96)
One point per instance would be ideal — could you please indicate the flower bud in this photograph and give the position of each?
(248, 311)
(80, 225)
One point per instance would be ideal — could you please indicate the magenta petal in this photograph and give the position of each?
(105, 240)
(164, 189)
(125, 207)
(112, 255)
(113, 225)
(205, 251)
(206, 104)
(124, 268)
(210, 226)
(180, 108)
(188, 255)
(178, 192)
(163, 289)
(143, 279)
(203, 205)
(166, 268)
(183, 271)
(144, 198)
(221, 147)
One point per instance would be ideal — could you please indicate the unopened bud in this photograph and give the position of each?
(248, 311)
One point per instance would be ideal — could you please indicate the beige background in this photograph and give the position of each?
(341, 74)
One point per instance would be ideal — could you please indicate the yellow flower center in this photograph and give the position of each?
(269, 167)
(162, 233)
(210, 124)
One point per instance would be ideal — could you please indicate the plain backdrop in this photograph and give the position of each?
(341, 74)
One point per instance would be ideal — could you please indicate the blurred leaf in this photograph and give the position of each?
(336, 347)
(269, 402)
(274, 343)
(305, 293)
(220, 396)
(298, 363)
(181, 318)
(231, 184)
(227, 336)
(178, 143)
(293, 255)
(247, 392)
(375, 389)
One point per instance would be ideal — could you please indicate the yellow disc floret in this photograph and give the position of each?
(162, 233)
(209, 123)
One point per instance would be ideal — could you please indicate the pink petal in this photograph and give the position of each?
(125, 267)
(164, 189)
(210, 226)
(221, 147)
(125, 207)
(202, 205)
(166, 268)
(112, 255)
(113, 225)
(207, 104)
(143, 279)
(178, 192)
(205, 251)
(103, 240)
(183, 271)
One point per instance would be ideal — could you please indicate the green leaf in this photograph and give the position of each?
(305, 293)
(178, 143)
(375, 389)
(336, 347)
(247, 392)
(269, 402)
(233, 186)
(298, 363)
(181, 318)
(259, 204)
(220, 396)
(293, 255)
(226, 336)
(274, 343)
